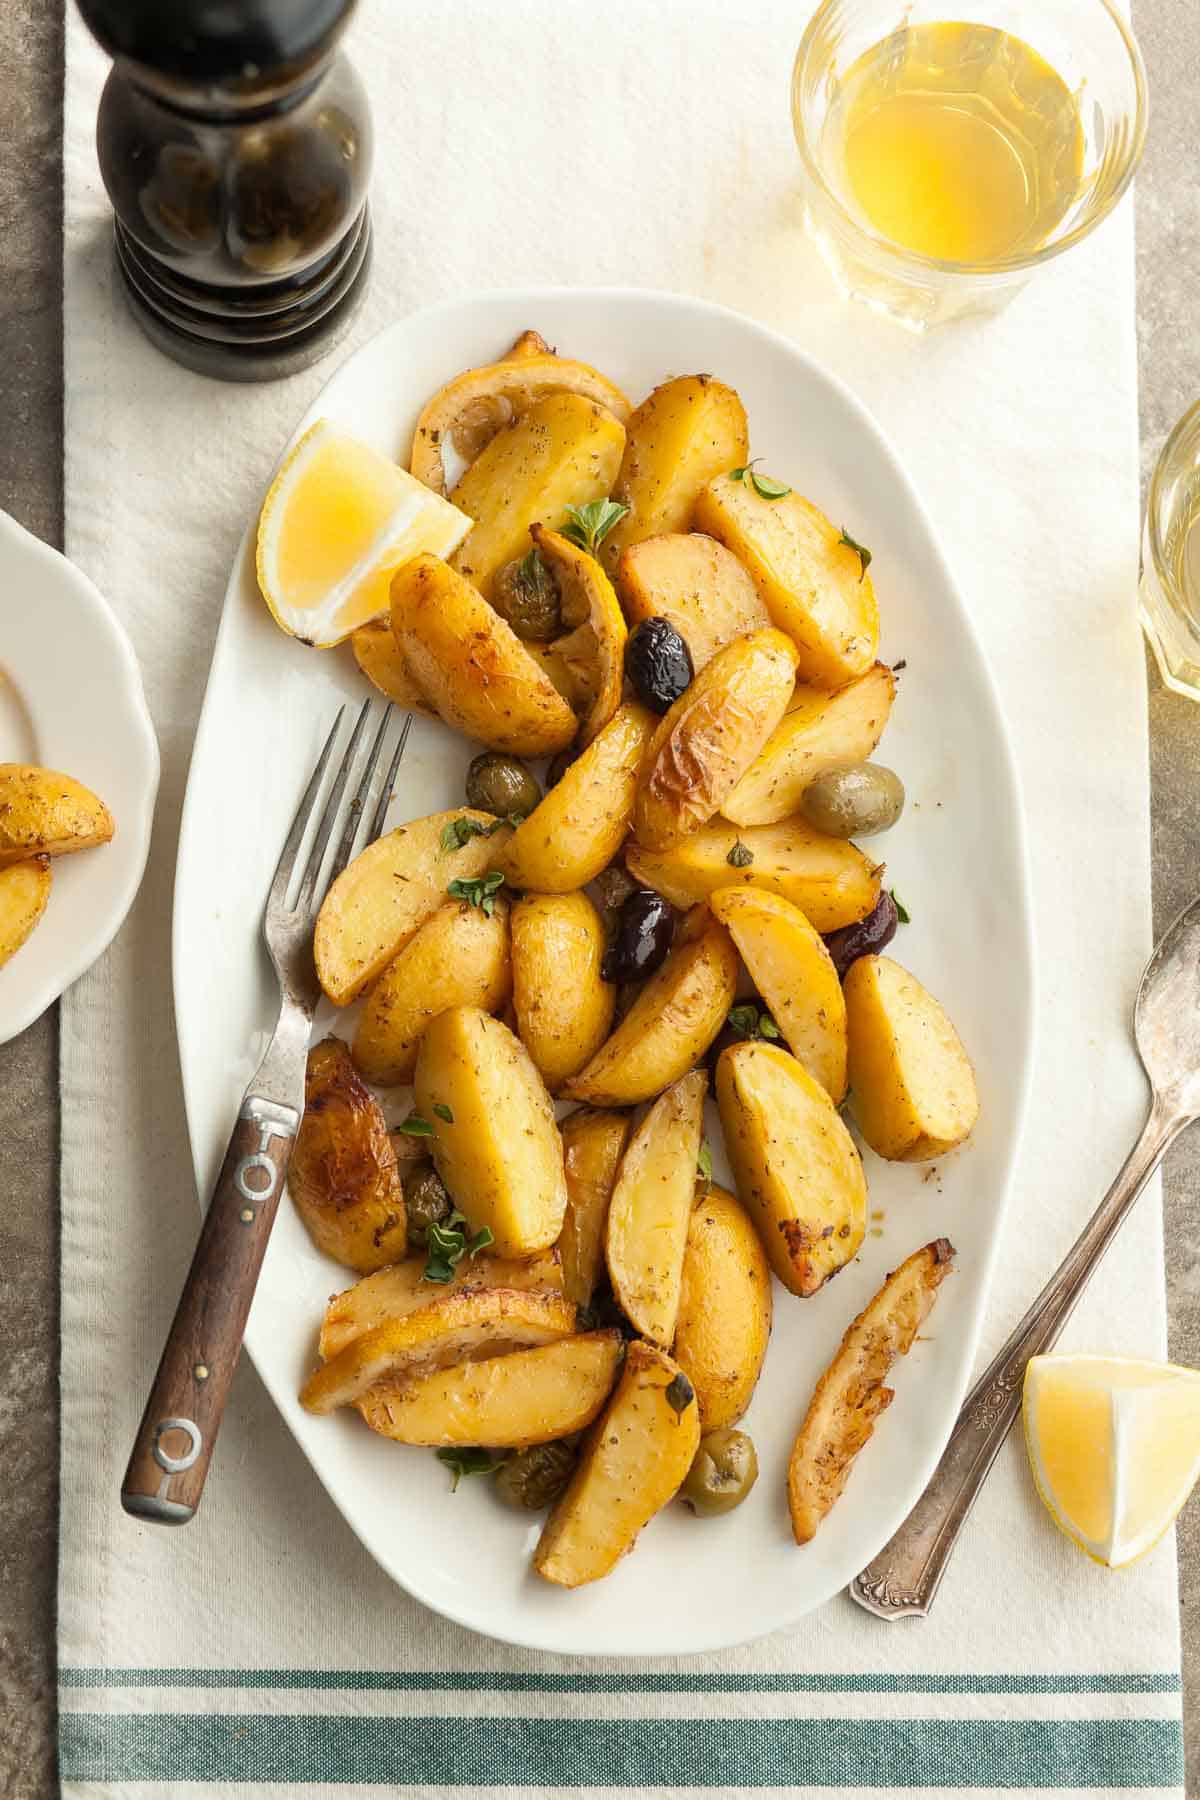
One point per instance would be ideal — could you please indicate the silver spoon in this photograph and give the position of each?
(904, 1577)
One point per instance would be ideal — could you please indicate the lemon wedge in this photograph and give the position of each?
(339, 519)
(1114, 1445)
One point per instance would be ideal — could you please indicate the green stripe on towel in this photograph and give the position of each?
(392, 1681)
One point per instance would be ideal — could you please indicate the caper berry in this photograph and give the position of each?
(425, 1201)
(534, 1478)
(856, 800)
(865, 938)
(723, 1471)
(525, 593)
(658, 663)
(500, 784)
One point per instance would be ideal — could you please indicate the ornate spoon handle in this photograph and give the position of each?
(904, 1577)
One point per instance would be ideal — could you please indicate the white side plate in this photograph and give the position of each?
(957, 859)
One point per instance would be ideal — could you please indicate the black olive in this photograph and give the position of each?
(866, 938)
(658, 663)
(645, 930)
(499, 784)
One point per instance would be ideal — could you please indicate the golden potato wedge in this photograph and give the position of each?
(581, 823)
(830, 880)
(724, 1309)
(459, 957)
(914, 1093)
(795, 1165)
(378, 656)
(667, 1029)
(564, 451)
(401, 1288)
(46, 813)
(591, 650)
(651, 1204)
(24, 891)
(793, 971)
(461, 1326)
(504, 1402)
(499, 1155)
(633, 1462)
(695, 583)
(818, 731)
(387, 893)
(593, 1145)
(564, 1010)
(812, 581)
(711, 735)
(343, 1177)
(850, 1395)
(471, 665)
(684, 433)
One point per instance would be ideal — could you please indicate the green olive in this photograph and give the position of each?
(526, 594)
(856, 800)
(724, 1470)
(425, 1201)
(499, 784)
(534, 1478)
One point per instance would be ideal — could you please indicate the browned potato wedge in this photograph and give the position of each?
(401, 1288)
(724, 1309)
(378, 656)
(697, 584)
(459, 1327)
(682, 434)
(45, 813)
(850, 1394)
(914, 1087)
(812, 582)
(818, 731)
(471, 666)
(593, 1144)
(580, 825)
(793, 971)
(499, 1153)
(504, 1402)
(388, 892)
(711, 735)
(24, 891)
(668, 1028)
(651, 1205)
(591, 650)
(632, 1464)
(343, 1177)
(564, 1010)
(564, 451)
(830, 880)
(795, 1164)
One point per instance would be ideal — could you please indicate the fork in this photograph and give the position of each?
(175, 1441)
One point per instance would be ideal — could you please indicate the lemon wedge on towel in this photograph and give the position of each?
(1114, 1445)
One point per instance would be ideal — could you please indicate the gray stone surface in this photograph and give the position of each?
(30, 488)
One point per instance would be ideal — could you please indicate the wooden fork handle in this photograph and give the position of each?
(174, 1444)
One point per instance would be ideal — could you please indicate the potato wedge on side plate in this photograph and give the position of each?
(378, 656)
(818, 731)
(695, 583)
(593, 1144)
(830, 880)
(850, 1395)
(633, 1462)
(24, 891)
(564, 1010)
(684, 433)
(724, 1309)
(651, 1205)
(343, 1177)
(400, 1289)
(914, 1087)
(46, 813)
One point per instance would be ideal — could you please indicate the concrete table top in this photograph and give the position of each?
(1168, 269)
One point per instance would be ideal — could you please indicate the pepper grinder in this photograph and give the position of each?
(235, 143)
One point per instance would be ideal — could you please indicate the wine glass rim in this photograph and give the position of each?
(1008, 265)
(1188, 425)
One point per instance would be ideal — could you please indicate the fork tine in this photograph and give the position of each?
(375, 829)
(357, 806)
(281, 880)
(316, 855)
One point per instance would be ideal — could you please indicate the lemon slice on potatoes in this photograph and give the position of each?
(1114, 1445)
(339, 519)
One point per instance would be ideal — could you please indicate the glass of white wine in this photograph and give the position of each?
(951, 147)
(1169, 595)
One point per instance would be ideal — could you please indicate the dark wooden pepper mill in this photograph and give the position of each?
(235, 144)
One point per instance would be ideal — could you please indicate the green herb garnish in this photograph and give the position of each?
(860, 550)
(479, 890)
(763, 485)
(467, 1462)
(443, 1111)
(536, 578)
(680, 1394)
(589, 525)
(416, 1126)
(748, 1022)
(704, 1161)
(766, 1028)
(447, 1243)
(459, 831)
(740, 856)
(902, 912)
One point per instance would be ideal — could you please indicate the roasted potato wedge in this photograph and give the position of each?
(387, 893)
(850, 1395)
(812, 581)
(668, 1028)
(695, 583)
(378, 656)
(795, 1165)
(499, 1153)
(343, 1177)
(24, 891)
(593, 1145)
(633, 1462)
(564, 1010)
(793, 971)
(564, 451)
(711, 736)
(684, 433)
(913, 1084)
(401, 1288)
(830, 880)
(46, 813)
(725, 1309)
(651, 1205)
(591, 649)
(471, 666)
(505, 1402)
(818, 731)
(581, 824)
